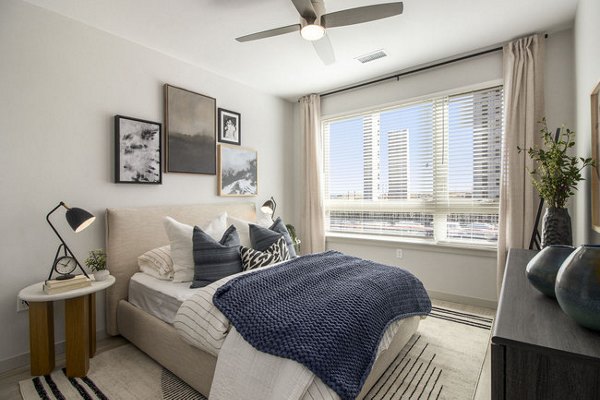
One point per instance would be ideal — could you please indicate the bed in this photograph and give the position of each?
(132, 231)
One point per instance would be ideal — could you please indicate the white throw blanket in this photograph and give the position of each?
(244, 373)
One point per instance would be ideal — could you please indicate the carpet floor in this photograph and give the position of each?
(443, 360)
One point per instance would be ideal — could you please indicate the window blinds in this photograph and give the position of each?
(428, 169)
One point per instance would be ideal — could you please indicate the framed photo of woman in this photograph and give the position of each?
(230, 127)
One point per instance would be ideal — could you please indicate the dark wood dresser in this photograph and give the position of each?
(539, 352)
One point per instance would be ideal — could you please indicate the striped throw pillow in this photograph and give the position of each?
(215, 260)
(157, 263)
(261, 238)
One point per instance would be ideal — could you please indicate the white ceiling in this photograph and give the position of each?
(202, 32)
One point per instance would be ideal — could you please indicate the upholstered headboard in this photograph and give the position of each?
(130, 232)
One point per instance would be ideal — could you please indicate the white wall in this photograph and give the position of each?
(559, 80)
(61, 83)
(559, 89)
(587, 61)
(450, 273)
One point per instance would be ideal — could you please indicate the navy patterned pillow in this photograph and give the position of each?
(215, 260)
(252, 259)
(261, 238)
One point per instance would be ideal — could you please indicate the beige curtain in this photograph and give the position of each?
(312, 218)
(524, 108)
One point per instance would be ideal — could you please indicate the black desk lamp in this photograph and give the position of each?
(64, 264)
(269, 207)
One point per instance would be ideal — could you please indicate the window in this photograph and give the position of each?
(428, 169)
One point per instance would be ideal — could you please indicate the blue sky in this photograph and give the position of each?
(346, 149)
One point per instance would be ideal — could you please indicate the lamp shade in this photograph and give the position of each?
(79, 219)
(269, 206)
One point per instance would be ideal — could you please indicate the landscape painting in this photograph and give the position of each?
(137, 151)
(190, 120)
(238, 171)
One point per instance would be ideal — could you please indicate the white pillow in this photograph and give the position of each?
(182, 248)
(157, 263)
(243, 229)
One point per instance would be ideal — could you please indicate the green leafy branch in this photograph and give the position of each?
(556, 173)
(96, 261)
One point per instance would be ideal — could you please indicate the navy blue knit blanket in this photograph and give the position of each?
(327, 311)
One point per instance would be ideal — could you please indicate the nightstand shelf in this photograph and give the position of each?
(80, 326)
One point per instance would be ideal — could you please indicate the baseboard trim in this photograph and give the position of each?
(454, 298)
(22, 360)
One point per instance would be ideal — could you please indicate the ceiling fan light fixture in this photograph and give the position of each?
(312, 32)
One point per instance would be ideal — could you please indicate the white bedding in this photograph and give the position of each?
(245, 373)
(157, 297)
(162, 298)
(200, 323)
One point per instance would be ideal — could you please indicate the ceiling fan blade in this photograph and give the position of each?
(361, 14)
(305, 9)
(269, 33)
(324, 50)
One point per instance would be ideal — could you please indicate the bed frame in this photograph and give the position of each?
(131, 232)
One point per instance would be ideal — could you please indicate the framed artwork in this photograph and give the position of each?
(238, 171)
(230, 127)
(190, 123)
(137, 151)
(596, 156)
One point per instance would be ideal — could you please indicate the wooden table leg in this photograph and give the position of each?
(41, 337)
(92, 311)
(77, 335)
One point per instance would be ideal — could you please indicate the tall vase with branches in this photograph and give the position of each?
(555, 176)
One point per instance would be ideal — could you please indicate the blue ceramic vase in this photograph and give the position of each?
(556, 227)
(578, 286)
(543, 268)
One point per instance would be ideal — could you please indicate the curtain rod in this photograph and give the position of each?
(419, 69)
(412, 71)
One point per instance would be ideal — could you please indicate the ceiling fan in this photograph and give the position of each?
(314, 21)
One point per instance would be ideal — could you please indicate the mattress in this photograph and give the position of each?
(159, 298)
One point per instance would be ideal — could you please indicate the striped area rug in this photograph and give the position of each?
(124, 373)
(442, 360)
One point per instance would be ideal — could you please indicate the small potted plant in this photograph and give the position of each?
(295, 241)
(96, 262)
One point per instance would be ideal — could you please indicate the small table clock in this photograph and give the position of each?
(64, 266)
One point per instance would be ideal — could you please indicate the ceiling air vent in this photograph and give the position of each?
(371, 56)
